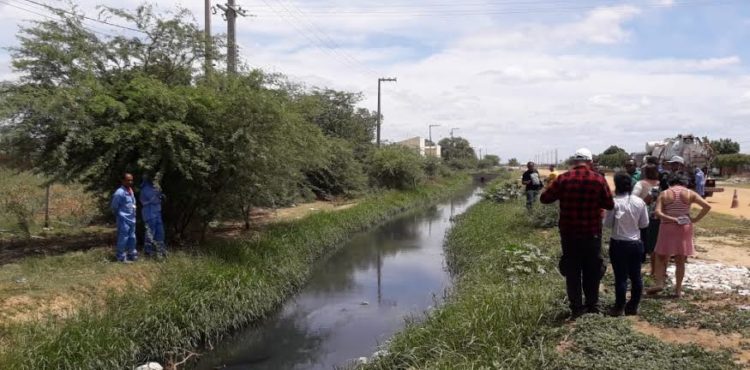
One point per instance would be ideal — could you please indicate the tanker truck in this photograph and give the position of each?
(697, 153)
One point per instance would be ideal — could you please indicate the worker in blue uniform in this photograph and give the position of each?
(151, 198)
(124, 208)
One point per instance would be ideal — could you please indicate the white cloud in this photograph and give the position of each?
(666, 3)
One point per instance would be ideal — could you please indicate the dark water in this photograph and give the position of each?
(356, 300)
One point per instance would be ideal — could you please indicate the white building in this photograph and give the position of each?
(420, 144)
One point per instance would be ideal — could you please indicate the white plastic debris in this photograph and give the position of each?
(364, 303)
(362, 361)
(714, 277)
(150, 366)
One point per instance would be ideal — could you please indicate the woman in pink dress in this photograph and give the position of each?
(676, 231)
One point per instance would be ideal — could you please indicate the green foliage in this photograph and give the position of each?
(489, 161)
(339, 174)
(434, 167)
(733, 160)
(222, 287)
(458, 153)
(21, 199)
(544, 216)
(725, 146)
(613, 157)
(504, 191)
(513, 162)
(397, 167)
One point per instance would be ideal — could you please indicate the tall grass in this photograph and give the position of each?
(195, 301)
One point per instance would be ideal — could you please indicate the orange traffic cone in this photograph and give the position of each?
(735, 201)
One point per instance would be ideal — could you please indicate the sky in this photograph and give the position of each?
(515, 77)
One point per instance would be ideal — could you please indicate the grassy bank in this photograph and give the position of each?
(198, 297)
(508, 310)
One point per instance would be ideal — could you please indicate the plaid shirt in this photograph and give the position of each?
(583, 194)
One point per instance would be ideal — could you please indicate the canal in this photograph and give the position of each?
(356, 300)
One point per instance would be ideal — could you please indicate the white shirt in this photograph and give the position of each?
(627, 218)
(642, 189)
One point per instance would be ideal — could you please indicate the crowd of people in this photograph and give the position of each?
(124, 207)
(649, 215)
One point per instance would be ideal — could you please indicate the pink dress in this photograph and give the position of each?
(675, 239)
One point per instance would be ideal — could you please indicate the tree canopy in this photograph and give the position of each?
(458, 153)
(725, 146)
(612, 157)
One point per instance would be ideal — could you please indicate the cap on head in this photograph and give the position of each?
(583, 154)
(677, 159)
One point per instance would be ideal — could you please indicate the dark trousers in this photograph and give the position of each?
(583, 267)
(626, 257)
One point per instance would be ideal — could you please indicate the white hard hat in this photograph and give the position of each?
(583, 154)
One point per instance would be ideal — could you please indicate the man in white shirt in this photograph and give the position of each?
(628, 217)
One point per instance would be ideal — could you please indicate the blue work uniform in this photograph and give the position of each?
(700, 182)
(151, 202)
(124, 207)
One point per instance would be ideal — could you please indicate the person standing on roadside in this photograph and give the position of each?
(151, 197)
(124, 208)
(551, 177)
(648, 190)
(633, 171)
(627, 219)
(700, 182)
(676, 232)
(583, 194)
(675, 164)
(533, 183)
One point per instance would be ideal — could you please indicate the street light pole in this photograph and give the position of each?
(382, 79)
(453, 129)
(431, 126)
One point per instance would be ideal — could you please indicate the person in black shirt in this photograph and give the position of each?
(533, 183)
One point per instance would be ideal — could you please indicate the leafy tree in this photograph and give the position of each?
(397, 167)
(725, 146)
(458, 153)
(339, 173)
(613, 157)
(733, 160)
(88, 109)
(493, 159)
(513, 162)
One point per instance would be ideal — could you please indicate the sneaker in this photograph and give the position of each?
(575, 313)
(593, 310)
(127, 262)
(630, 311)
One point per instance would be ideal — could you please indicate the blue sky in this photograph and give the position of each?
(516, 76)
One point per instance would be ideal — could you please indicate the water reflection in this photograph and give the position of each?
(355, 300)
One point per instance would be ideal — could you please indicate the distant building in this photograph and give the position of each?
(423, 146)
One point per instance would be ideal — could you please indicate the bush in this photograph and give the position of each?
(433, 167)
(501, 192)
(397, 167)
(544, 216)
(341, 174)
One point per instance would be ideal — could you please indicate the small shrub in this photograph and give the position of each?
(544, 216)
(504, 191)
(397, 167)
(433, 167)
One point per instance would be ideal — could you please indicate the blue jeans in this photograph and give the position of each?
(126, 240)
(531, 197)
(154, 236)
(626, 258)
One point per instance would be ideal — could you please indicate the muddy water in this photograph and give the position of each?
(356, 299)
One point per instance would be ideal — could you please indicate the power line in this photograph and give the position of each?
(84, 16)
(52, 18)
(330, 42)
(311, 40)
(533, 10)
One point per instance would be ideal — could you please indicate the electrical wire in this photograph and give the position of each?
(326, 39)
(312, 41)
(83, 16)
(509, 11)
(52, 18)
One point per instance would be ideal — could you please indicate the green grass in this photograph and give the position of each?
(507, 310)
(197, 299)
(719, 224)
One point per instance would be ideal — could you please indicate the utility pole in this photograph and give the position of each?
(207, 31)
(556, 159)
(231, 11)
(431, 126)
(382, 79)
(46, 208)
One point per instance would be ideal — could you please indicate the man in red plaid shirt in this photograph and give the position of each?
(583, 194)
